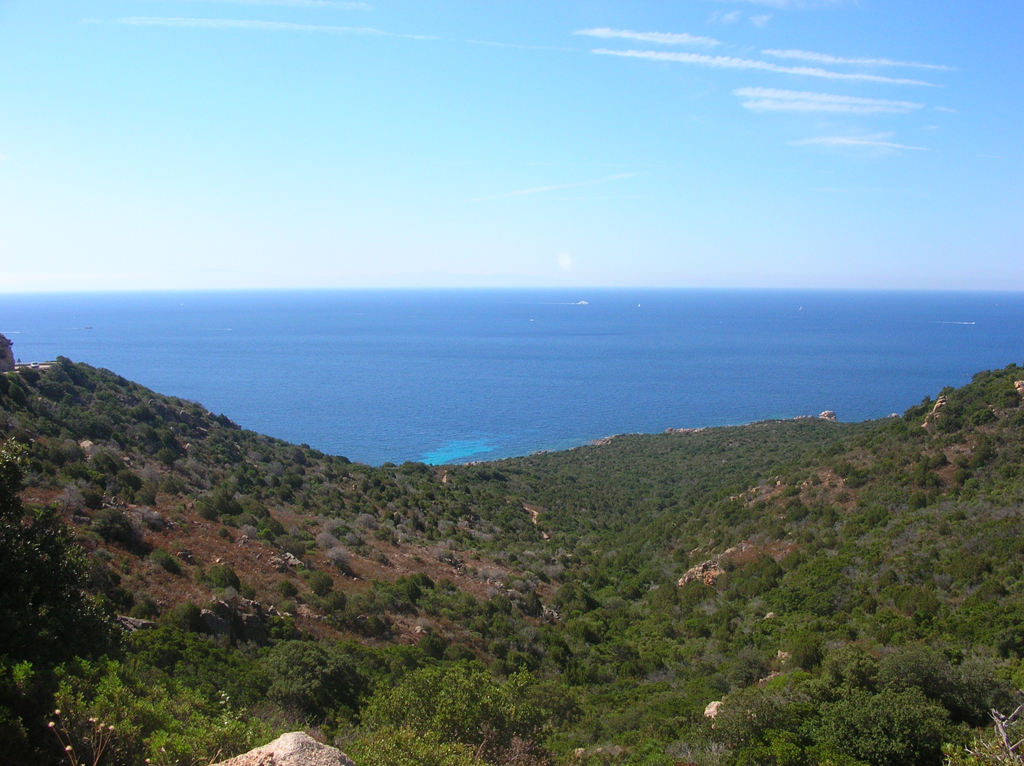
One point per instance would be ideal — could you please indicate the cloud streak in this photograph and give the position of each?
(663, 38)
(541, 189)
(730, 62)
(825, 58)
(786, 5)
(773, 100)
(264, 26)
(863, 142)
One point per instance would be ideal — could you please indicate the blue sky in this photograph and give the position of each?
(154, 144)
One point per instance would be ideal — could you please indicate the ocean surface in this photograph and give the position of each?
(455, 376)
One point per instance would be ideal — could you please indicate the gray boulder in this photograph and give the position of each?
(293, 749)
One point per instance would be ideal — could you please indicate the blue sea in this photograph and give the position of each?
(462, 375)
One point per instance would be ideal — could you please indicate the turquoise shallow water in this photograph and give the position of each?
(452, 376)
(459, 449)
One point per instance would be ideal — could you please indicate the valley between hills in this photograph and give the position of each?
(785, 592)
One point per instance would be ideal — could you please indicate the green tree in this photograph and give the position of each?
(886, 729)
(404, 747)
(461, 704)
(320, 583)
(319, 681)
(45, 616)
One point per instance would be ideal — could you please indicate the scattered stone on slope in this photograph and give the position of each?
(293, 749)
(132, 624)
(284, 562)
(828, 415)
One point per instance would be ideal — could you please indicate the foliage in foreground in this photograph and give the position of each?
(860, 601)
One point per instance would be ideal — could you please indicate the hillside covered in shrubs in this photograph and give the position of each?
(787, 592)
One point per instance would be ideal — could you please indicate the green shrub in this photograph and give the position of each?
(93, 498)
(292, 545)
(44, 615)
(392, 746)
(321, 583)
(460, 704)
(114, 527)
(166, 456)
(222, 576)
(333, 603)
(220, 502)
(145, 608)
(172, 484)
(186, 617)
(318, 681)
(156, 720)
(807, 649)
(146, 494)
(886, 729)
(165, 561)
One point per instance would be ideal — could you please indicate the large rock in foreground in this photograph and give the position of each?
(293, 749)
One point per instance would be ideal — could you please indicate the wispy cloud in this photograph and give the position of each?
(4, 157)
(945, 109)
(878, 141)
(292, 3)
(873, 191)
(732, 17)
(762, 20)
(265, 26)
(540, 189)
(773, 100)
(825, 58)
(785, 5)
(664, 38)
(730, 62)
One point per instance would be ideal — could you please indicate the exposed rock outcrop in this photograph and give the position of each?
(293, 749)
(240, 620)
(711, 711)
(932, 416)
(214, 624)
(828, 415)
(132, 624)
(707, 572)
(6, 355)
(284, 562)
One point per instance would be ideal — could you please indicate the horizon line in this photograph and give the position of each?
(515, 288)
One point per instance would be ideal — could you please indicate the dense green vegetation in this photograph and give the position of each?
(844, 593)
